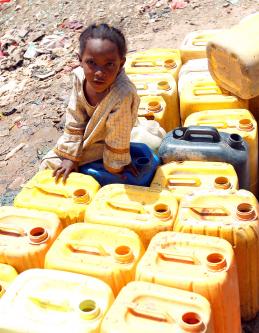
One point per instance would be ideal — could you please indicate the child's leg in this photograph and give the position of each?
(50, 161)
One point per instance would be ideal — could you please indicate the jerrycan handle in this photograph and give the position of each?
(143, 311)
(208, 211)
(87, 248)
(217, 124)
(55, 304)
(12, 231)
(177, 257)
(183, 181)
(135, 207)
(143, 62)
(200, 133)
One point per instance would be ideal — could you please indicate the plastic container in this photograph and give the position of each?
(186, 177)
(25, 236)
(154, 61)
(144, 210)
(155, 308)
(234, 60)
(203, 94)
(67, 201)
(195, 42)
(239, 121)
(42, 300)
(252, 19)
(7, 275)
(152, 85)
(144, 159)
(148, 132)
(105, 252)
(205, 143)
(154, 107)
(201, 264)
(233, 217)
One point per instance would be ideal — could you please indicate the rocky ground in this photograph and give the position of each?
(38, 45)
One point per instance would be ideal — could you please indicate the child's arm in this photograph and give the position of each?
(118, 129)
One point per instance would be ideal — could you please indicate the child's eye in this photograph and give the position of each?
(90, 62)
(110, 64)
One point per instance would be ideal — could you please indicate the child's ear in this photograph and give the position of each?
(79, 58)
(123, 60)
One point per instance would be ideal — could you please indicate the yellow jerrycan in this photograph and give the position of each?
(154, 61)
(202, 94)
(25, 236)
(233, 58)
(7, 275)
(155, 108)
(105, 252)
(67, 201)
(143, 306)
(194, 44)
(144, 210)
(186, 177)
(239, 121)
(42, 300)
(251, 20)
(233, 217)
(152, 85)
(201, 264)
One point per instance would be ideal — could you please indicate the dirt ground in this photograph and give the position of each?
(35, 88)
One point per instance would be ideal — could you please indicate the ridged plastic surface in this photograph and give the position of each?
(154, 61)
(234, 60)
(7, 275)
(201, 264)
(194, 44)
(67, 201)
(239, 121)
(144, 210)
(25, 236)
(186, 177)
(105, 252)
(205, 143)
(233, 217)
(143, 306)
(41, 301)
(203, 94)
(152, 86)
(143, 158)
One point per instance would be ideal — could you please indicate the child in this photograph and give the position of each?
(102, 109)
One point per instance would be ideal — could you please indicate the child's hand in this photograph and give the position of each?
(65, 168)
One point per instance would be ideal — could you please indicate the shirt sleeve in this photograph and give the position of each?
(70, 144)
(119, 124)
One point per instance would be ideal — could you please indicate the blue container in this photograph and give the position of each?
(144, 159)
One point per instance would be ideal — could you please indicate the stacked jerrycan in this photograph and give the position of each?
(200, 264)
(184, 178)
(144, 210)
(42, 300)
(205, 143)
(154, 61)
(68, 201)
(234, 217)
(194, 44)
(25, 236)
(7, 275)
(239, 121)
(143, 306)
(105, 252)
(165, 110)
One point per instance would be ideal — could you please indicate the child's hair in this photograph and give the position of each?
(104, 31)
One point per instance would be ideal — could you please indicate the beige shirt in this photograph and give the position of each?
(92, 133)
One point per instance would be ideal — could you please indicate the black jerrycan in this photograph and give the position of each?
(205, 143)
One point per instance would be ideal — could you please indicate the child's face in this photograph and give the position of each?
(101, 63)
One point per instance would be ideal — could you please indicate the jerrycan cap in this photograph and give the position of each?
(163, 85)
(170, 63)
(162, 211)
(235, 141)
(154, 106)
(38, 235)
(81, 196)
(216, 262)
(123, 254)
(2, 290)
(89, 310)
(192, 322)
(222, 183)
(245, 125)
(245, 212)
